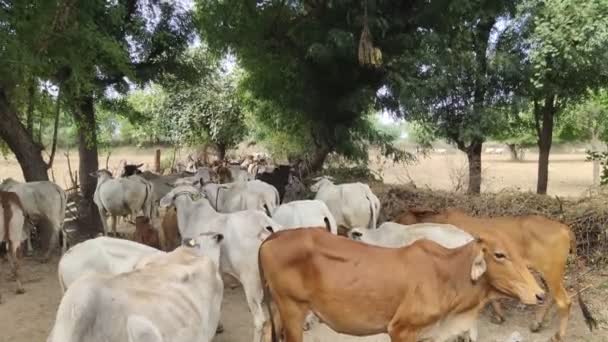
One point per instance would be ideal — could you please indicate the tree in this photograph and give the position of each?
(208, 110)
(517, 132)
(587, 120)
(564, 44)
(456, 85)
(300, 59)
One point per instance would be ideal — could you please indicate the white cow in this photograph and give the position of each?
(395, 235)
(101, 255)
(306, 213)
(352, 204)
(44, 205)
(173, 298)
(232, 197)
(11, 231)
(122, 197)
(243, 233)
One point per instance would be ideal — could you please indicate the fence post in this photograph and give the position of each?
(157, 161)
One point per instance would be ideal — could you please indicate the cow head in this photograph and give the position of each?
(206, 244)
(181, 190)
(103, 173)
(131, 169)
(320, 182)
(505, 270)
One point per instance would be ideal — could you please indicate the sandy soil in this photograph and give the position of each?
(29, 317)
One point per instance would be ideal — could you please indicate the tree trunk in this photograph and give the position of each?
(22, 144)
(316, 160)
(513, 152)
(30, 108)
(474, 159)
(221, 151)
(545, 137)
(84, 115)
(595, 147)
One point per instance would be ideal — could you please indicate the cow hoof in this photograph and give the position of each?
(535, 326)
(20, 291)
(496, 319)
(555, 338)
(219, 329)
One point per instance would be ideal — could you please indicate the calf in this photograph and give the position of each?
(172, 298)
(11, 230)
(145, 233)
(543, 244)
(361, 290)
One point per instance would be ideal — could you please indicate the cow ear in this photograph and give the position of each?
(479, 267)
(139, 165)
(93, 174)
(166, 201)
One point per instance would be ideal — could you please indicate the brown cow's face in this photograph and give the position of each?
(506, 271)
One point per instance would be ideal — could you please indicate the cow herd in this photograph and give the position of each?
(424, 276)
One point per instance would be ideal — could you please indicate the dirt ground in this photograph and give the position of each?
(29, 317)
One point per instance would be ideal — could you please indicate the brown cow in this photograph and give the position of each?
(171, 236)
(543, 243)
(145, 233)
(11, 231)
(414, 292)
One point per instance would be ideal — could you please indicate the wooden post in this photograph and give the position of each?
(157, 161)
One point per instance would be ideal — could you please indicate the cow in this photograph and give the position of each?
(171, 237)
(173, 298)
(305, 213)
(122, 197)
(232, 197)
(44, 204)
(390, 234)
(352, 204)
(543, 243)
(243, 231)
(100, 255)
(131, 169)
(145, 233)
(11, 231)
(359, 289)
(278, 177)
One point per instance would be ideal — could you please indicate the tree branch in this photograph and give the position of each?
(55, 129)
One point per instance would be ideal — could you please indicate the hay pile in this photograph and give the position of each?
(587, 216)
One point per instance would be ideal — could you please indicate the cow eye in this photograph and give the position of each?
(499, 255)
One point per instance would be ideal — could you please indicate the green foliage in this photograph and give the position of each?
(208, 110)
(602, 157)
(301, 62)
(585, 119)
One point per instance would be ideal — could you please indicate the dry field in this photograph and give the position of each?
(29, 317)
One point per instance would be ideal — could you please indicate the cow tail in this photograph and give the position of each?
(589, 319)
(327, 224)
(267, 299)
(267, 210)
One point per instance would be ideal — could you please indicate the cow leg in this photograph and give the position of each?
(255, 295)
(499, 315)
(53, 242)
(399, 332)
(114, 219)
(292, 316)
(541, 314)
(12, 258)
(562, 300)
(104, 221)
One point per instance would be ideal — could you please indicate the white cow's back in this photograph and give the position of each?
(394, 235)
(305, 213)
(180, 301)
(101, 255)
